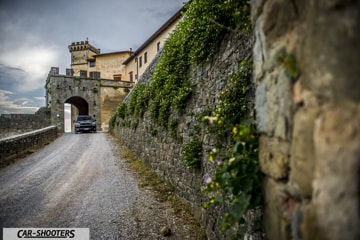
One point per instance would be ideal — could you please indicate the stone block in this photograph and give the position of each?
(274, 224)
(256, 9)
(302, 158)
(279, 17)
(331, 54)
(262, 117)
(336, 186)
(274, 157)
(273, 104)
(259, 50)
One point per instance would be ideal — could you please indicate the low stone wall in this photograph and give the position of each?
(13, 147)
(13, 124)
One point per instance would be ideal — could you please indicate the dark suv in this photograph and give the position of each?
(85, 123)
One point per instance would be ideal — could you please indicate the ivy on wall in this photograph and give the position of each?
(139, 100)
(192, 153)
(196, 38)
(237, 177)
(236, 181)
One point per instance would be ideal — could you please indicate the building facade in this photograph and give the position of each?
(87, 61)
(137, 63)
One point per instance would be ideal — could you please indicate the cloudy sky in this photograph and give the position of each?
(35, 34)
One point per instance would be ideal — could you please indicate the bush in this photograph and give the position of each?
(192, 152)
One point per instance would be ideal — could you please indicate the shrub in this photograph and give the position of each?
(192, 152)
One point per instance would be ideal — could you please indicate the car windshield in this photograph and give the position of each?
(84, 118)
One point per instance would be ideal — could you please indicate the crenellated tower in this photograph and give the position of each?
(82, 57)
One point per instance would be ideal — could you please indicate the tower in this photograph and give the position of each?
(82, 57)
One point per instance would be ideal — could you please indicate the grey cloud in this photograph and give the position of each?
(12, 103)
(10, 77)
(6, 69)
(27, 27)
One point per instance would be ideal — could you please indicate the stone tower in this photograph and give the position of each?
(82, 57)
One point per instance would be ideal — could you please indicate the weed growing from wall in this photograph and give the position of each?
(139, 100)
(121, 111)
(191, 153)
(289, 63)
(232, 107)
(236, 181)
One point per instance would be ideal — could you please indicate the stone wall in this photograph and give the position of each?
(161, 151)
(13, 147)
(12, 124)
(306, 57)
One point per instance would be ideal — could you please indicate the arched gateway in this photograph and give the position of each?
(81, 104)
(88, 96)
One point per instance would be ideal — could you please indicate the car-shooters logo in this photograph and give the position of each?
(46, 233)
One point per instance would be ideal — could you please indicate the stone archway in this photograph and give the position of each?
(79, 106)
(80, 103)
(98, 98)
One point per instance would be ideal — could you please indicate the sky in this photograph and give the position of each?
(35, 34)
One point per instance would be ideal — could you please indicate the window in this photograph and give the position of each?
(131, 77)
(145, 57)
(95, 75)
(83, 73)
(92, 63)
(158, 46)
(117, 77)
(140, 61)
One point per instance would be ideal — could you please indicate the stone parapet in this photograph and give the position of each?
(15, 146)
(12, 124)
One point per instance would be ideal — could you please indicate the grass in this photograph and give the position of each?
(163, 192)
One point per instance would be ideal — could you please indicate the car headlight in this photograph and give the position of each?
(93, 123)
(77, 124)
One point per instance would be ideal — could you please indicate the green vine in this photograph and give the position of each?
(236, 181)
(121, 111)
(192, 152)
(196, 38)
(139, 100)
(289, 63)
(112, 121)
(237, 177)
(232, 107)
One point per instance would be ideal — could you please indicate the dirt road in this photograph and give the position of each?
(78, 181)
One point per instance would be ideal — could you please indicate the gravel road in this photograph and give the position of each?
(80, 181)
